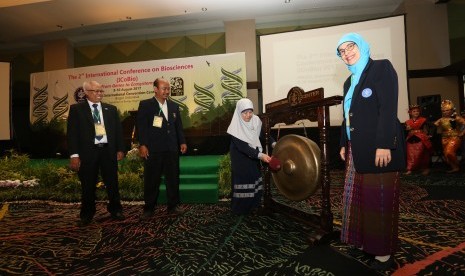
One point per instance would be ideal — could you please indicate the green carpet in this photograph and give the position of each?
(198, 179)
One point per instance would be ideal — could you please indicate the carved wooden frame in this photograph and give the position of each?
(300, 105)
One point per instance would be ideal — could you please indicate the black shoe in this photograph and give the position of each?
(382, 266)
(117, 216)
(176, 211)
(146, 215)
(84, 222)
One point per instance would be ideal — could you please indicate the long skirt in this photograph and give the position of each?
(450, 147)
(247, 184)
(418, 156)
(370, 210)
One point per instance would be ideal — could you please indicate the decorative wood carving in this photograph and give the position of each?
(313, 106)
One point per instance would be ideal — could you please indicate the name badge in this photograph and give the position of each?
(100, 130)
(157, 121)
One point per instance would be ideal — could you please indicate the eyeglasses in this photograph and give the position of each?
(166, 88)
(348, 48)
(95, 91)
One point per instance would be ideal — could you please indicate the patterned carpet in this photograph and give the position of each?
(432, 226)
(41, 238)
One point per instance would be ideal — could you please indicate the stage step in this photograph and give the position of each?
(198, 180)
(198, 193)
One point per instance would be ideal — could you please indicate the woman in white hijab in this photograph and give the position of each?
(246, 151)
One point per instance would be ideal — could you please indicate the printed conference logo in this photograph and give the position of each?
(79, 95)
(177, 86)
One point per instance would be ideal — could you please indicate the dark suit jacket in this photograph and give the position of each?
(166, 138)
(373, 119)
(81, 130)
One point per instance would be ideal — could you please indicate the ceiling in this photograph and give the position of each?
(26, 24)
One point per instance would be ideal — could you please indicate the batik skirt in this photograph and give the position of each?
(247, 184)
(370, 210)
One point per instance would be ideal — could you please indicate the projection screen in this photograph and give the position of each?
(308, 59)
(5, 103)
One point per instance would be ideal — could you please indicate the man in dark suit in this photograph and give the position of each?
(95, 143)
(161, 137)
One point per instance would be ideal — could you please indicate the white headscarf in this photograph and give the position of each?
(248, 132)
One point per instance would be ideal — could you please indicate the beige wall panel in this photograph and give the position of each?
(58, 54)
(446, 86)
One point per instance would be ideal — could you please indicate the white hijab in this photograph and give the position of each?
(248, 132)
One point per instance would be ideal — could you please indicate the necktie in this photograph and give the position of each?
(96, 116)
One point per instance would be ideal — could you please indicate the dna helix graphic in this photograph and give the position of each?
(60, 107)
(232, 83)
(180, 102)
(39, 101)
(204, 98)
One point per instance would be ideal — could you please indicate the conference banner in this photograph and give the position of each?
(200, 85)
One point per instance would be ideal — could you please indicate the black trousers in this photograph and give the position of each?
(106, 163)
(156, 165)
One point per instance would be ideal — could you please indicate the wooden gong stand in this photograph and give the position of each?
(300, 105)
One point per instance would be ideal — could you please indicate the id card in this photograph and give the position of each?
(100, 130)
(157, 121)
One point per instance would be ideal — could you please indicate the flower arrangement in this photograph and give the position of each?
(52, 179)
(18, 183)
(133, 154)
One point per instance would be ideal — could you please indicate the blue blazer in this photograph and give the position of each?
(373, 119)
(167, 138)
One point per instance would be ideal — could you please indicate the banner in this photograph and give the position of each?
(200, 85)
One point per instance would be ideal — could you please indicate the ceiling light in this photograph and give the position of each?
(204, 9)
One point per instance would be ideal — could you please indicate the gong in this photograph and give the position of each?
(299, 176)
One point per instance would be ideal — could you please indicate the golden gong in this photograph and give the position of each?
(299, 176)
